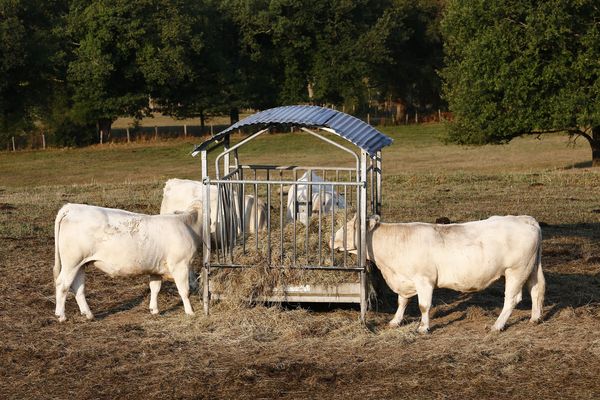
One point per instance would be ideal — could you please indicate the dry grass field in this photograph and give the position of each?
(291, 352)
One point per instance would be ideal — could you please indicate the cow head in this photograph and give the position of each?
(352, 234)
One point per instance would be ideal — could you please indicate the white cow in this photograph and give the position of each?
(123, 243)
(414, 258)
(324, 198)
(178, 194)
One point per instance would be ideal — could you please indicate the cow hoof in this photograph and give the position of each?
(535, 321)
(154, 311)
(62, 318)
(394, 324)
(496, 328)
(88, 315)
(191, 313)
(423, 330)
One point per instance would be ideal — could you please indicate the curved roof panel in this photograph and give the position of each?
(350, 128)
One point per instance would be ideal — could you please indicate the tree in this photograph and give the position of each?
(106, 75)
(523, 67)
(409, 73)
(32, 61)
(186, 65)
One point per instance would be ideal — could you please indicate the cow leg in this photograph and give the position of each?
(537, 287)
(155, 283)
(180, 276)
(78, 287)
(399, 316)
(425, 294)
(512, 296)
(63, 283)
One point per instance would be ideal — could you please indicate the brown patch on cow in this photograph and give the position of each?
(443, 220)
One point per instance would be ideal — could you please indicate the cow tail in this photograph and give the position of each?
(59, 217)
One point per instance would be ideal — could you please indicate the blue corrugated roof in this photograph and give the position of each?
(350, 128)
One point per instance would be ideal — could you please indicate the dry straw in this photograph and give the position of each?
(263, 275)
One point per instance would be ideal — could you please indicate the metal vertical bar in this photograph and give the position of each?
(363, 236)
(308, 208)
(372, 188)
(350, 180)
(232, 222)
(345, 228)
(243, 218)
(281, 217)
(268, 220)
(255, 212)
(379, 180)
(255, 205)
(333, 202)
(295, 212)
(220, 226)
(320, 230)
(206, 234)
(226, 157)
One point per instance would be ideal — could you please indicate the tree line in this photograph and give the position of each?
(74, 66)
(504, 68)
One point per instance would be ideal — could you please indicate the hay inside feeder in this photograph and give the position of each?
(264, 274)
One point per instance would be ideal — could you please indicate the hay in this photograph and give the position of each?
(253, 284)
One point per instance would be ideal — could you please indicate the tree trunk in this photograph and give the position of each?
(202, 122)
(104, 125)
(234, 115)
(400, 113)
(595, 144)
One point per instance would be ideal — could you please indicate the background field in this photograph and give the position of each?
(268, 352)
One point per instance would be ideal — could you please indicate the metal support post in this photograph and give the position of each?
(362, 211)
(206, 235)
(379, 172)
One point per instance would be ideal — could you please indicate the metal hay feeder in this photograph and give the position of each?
(360, 185)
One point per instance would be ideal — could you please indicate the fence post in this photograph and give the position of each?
(416, 117)
(184, 130)
(43, 141)
(211, 130)
(369, 118)
(155, 132)
(406, 119)
(13, 143)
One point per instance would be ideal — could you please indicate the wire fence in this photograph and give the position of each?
(41, 140)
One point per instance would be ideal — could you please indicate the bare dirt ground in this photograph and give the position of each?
(291, 352)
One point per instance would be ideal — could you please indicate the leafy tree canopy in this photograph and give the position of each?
(107, 73)
(518, 67)
(31, 56)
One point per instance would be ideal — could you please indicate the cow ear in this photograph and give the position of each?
(373, 221)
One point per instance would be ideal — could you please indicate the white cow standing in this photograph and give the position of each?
(324, 198)
(414, 258)
(122, 243)
(178, 194)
